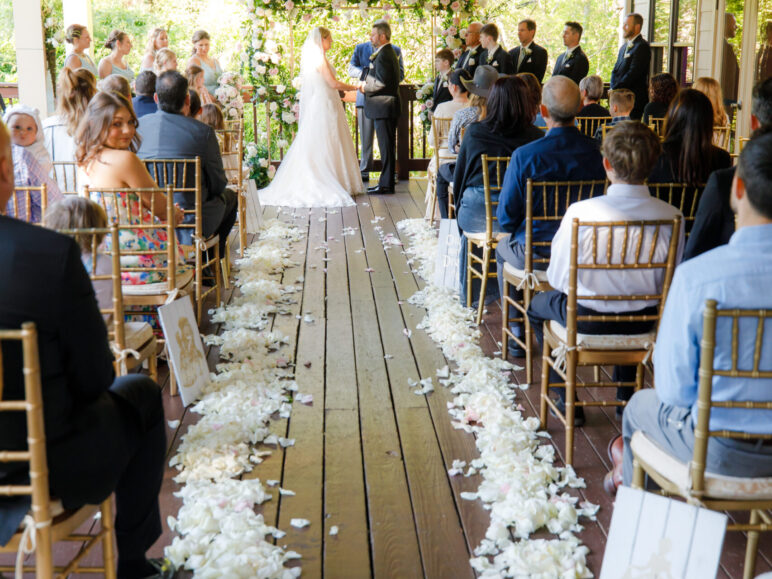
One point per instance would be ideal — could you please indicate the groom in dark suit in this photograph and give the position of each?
(632, 68)
(382, 104)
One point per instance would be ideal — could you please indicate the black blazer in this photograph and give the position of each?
(714, 220)
(535, 63)
(632, 72)
(46, 284)
(470, 59)
(575, 68)
(382, 85)
(441, 92)
(499, 60)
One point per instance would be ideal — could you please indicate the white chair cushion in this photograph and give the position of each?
(607, 341)
(717, 486)
(541, 274)
(137, 334)
(183, 279)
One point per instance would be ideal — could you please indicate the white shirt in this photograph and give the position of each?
(632, 40)
(621, 203)
(60, 145)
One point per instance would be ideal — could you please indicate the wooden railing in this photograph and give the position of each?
(9, 91)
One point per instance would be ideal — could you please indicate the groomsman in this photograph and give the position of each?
(360, 61)
(573, 62)
(443, 62)
(529, 56)
(470, 58)
(632, 68)
(493, 54)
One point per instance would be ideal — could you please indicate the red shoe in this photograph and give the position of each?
(613, 478)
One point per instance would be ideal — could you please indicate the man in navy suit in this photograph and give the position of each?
(632, 68)
(470, 58)
(573, 62)
(493, 54)
(529, 56)
(360, 61)
(563, 154)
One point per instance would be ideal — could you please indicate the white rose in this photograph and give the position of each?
(283, 144)
(296, 82)
(271, 171)
(263, 163)
(280, 88)
(49, 22)
(261, 91)
(288, 117)
(260, 69)
(274, 107)
(233, 113)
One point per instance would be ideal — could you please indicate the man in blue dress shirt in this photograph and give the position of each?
(360, 61)
(737, 275)
(563, 154)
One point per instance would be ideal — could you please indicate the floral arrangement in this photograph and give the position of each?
(257, 162)
(53, 34)
(228, 95)
(425, 96)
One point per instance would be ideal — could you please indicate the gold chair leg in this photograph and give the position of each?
(152, 366)
(485, 268)
(638, 475)
(468, 273)
(596, 373)
(545, 380)
(44, 555)
(527, 337)
(108, 539)
(172, 377)
(217, 274)
(751, 548)
(504, 319)
(570, 405)
(199, 283)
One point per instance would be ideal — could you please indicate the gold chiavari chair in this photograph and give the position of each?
(451, 196)
(565, 349)
(232, 151)
(689, 479)
(605, 128)
(589, 125)
(741, 142)
(682, 195)
(553, 197)
(47, 522)
(184, 176)
(131, 342)
(722, 137)
(28, 204)
(485, 240)
(440, 130)
(657, 124)
(66, 176)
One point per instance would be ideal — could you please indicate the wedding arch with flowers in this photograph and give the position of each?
(269, 58)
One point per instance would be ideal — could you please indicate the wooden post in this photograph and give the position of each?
(292, 48)
(31, 56)
(79, 12)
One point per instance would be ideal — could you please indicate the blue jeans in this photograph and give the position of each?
(471, 218)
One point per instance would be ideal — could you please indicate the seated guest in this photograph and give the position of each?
(165, 59)
(621, 103)
(480, 87)
(74, 91)
(212, 115)
(711, 88)
(116, 83)
(591, 88)
(564, 154)
(28, 151)
(195, 105)
(529, 56)
(443, 62)
(195, 76)
(714, 221)
(144, 103)
(688, 153)
(493, 54)
(508, 124)
(662, 90)
(737, 275)
(534, 90)
(104, 434)
(169, 134)
(75, 212)
(629, 153)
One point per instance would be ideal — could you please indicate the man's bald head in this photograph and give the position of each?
(473, 33)
(6, 166)
(562, 99)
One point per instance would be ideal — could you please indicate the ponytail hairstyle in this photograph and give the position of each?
(151, 40)
(115, 37)
(198, 36)
(73, 31)
(75, 90)
(92, 132)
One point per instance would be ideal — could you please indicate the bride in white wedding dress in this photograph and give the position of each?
(321, 168)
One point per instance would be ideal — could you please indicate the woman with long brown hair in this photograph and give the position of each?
(107, 142)
(200, 57)
(75, 90)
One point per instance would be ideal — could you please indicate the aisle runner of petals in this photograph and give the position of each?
(521, 487)
(220, 533)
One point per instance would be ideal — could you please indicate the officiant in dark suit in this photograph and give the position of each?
(493, 54)
(360, 61)
(443, 62)
(382, 103)
(632, 68)
(470, 58)
(573, 62)
(529, 56)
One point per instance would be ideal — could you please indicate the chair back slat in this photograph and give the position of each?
(28, 204)
(589, 125)
(66, 176)
(681, 195)
(722, 136)
(184, 177)
(657, 124)
(440, 130)
(500, 165)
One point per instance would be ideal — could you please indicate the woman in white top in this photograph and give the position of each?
(120, 44)
(79, 37)
(74, 91)
(157, 40)
(211, 67)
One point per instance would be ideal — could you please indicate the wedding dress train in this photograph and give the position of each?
(321, 167)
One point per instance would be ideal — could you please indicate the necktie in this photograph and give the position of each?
(521, 57)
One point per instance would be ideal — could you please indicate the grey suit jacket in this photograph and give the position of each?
(171, 136)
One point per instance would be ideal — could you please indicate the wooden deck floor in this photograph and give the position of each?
(370, 456)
